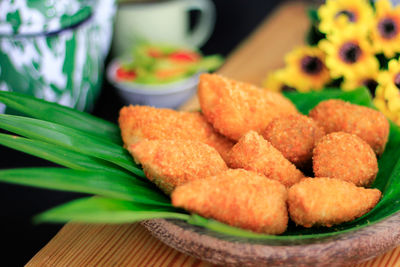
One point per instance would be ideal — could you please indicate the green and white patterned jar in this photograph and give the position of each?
(55, 49)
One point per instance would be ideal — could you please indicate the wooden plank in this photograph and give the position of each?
(109, 245)
(132, 244)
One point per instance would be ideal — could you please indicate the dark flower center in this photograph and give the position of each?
(397, 80)
(350, 52)
(350, 15)
(371, 84)
(287, 88)
(311, 65)
(387, 28)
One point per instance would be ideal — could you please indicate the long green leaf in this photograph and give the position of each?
(52, 112)
(92, 182)
(387, 162)
(306, 101)
(70, 138)
(58, 154)
(103, 210)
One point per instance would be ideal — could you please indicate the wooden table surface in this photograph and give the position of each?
(131, 244)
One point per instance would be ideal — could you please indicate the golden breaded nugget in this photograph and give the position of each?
(234, 108)
(338, 116)
(347, 157)
(239, 198)
(143, 122)
(252, 152)
(170, 163)
(295, 137)
(328, 201)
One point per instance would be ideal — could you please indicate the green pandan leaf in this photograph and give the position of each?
(52, 112)
(306, 101)
(91, 182)
(58, 154)
(70, 138)
(104, 210)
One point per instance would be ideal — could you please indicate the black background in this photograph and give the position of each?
(20, 239)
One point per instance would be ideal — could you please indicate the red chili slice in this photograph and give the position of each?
(124, 74)
(184, 56)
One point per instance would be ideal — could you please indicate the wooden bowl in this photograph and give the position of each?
(345, 249)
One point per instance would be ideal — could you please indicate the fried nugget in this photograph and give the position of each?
(234, 108)
(340, 116)
(295, 137)
(239, 198)
(170, 163)
(328, 201)
(347, 157)
(252, 152)
(143, 122)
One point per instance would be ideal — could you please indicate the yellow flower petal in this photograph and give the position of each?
(336, 14)
(387, 97)
(275, 81)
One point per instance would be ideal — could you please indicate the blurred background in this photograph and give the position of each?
(234, 21)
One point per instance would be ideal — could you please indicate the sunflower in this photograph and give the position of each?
(386, 29)
(336, 14)
(275, 81)
(306, 69)
(388, 92)
(369, 79)
(348, 53)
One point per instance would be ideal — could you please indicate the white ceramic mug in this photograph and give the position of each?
(165, 21)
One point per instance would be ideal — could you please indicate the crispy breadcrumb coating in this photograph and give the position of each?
(239, 198)
(170, 163)
(347, 157)
(139, 122)
(234, 108)
(328, 201)
(252, 152)
(339, 116)
(295, 137)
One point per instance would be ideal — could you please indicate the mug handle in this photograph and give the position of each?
(204, 27)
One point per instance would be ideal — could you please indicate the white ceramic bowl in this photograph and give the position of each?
(170, 95)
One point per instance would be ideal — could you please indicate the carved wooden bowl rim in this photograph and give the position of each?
(348, 248)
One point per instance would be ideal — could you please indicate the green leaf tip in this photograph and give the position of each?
(105, 210)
